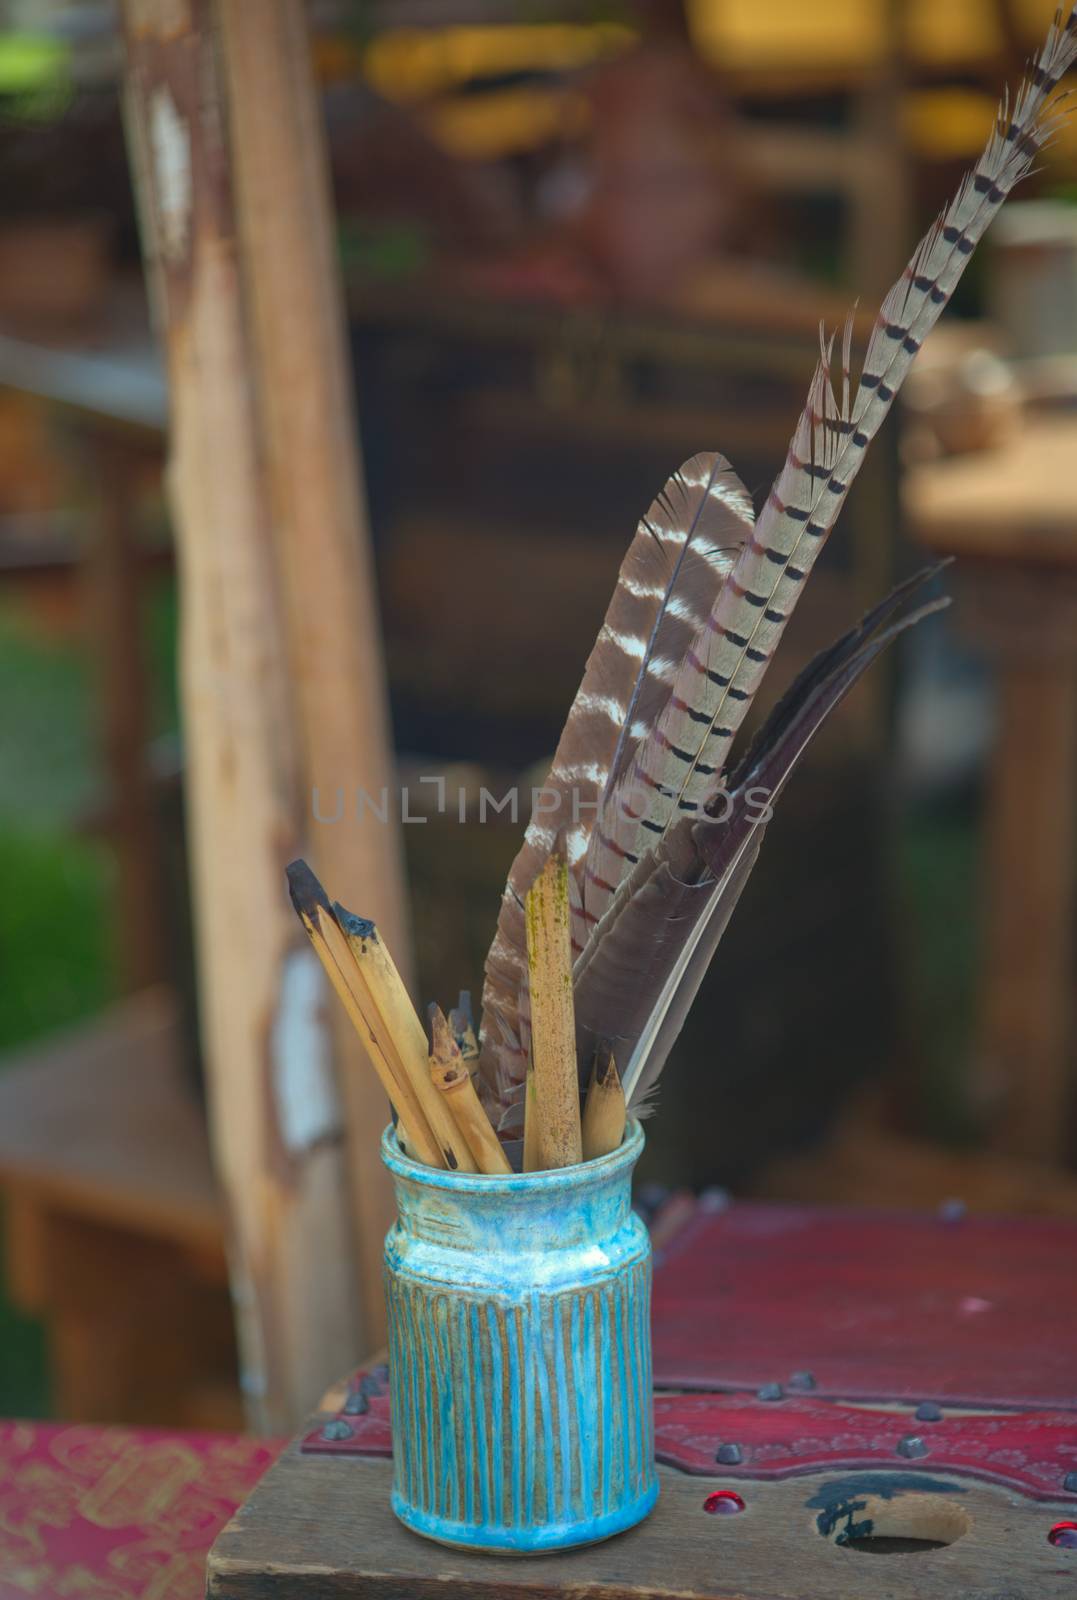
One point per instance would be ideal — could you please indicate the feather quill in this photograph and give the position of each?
(682, 551)
(828, 447)
(701, 603)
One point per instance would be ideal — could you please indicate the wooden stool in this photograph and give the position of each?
(115, 1232)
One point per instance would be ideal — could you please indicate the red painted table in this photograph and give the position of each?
(791, 1340)
(849, 1406)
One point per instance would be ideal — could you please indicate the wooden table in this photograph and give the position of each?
(861, 1321)
(1011, 517)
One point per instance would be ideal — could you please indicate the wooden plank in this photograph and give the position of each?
(323, 1528)
(1013, 512)
(275, 1123)
(1024, 1065)
(299, 345)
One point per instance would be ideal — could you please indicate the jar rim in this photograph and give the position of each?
(580, 1175)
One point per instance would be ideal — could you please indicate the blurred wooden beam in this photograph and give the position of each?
(1010, 514)
(279, 1151)
(288, 256)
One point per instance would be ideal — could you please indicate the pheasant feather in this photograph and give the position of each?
(831, 439)
(683, 549)
(701, 603)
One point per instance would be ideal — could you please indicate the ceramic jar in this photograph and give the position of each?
(520, 1353)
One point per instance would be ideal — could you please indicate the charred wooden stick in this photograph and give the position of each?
(333, 951)
(604, 1109)
(553, 1029)
(390, 1000)
(450, 1077)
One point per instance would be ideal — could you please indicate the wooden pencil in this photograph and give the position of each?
(332, 949)
(553, 1030)
(452, 1080)
(390, 1000)
(604, 1109)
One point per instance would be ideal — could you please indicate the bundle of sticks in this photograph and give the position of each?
(440, 1119)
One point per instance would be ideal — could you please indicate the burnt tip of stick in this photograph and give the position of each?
(307, 894)
(356, 927)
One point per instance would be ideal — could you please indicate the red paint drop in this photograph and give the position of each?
(723, 1503)
(1064, 1535)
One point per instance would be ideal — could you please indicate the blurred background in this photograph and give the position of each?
(579, 242)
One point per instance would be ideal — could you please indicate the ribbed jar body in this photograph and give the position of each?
(520, 1353)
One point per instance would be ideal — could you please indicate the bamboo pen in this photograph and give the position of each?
(553, 1031)
(332, 948)
(389, 998)
(451, 1079)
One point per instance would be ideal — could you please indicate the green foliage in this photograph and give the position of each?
(48, 769)
(35, 77)
(54, 947)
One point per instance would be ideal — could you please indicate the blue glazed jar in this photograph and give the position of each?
(520, 1353)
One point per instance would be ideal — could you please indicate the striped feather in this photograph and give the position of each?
(669, 683)
(682, 551)
(826, 452)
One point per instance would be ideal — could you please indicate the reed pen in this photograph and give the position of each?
(452, 1080)
(390, 999)
(553, 1028)
(333, 951)
(604, 1109)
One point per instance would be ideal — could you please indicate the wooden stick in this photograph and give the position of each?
(450, 1078)
(532, 1158)
(390, 1000)
(604, 1111)
(332, 948)
(553, 1030)
(267, 155)
(300, 1310)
